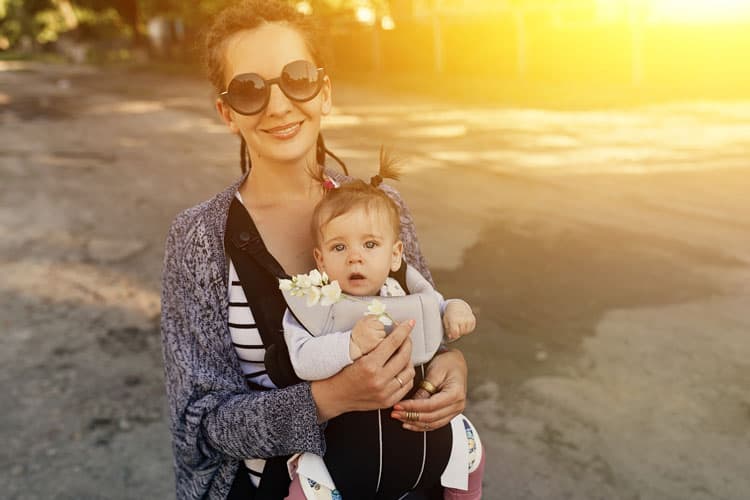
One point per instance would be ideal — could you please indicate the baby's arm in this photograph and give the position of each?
(367, 334)
(458, 318)
(315, 358)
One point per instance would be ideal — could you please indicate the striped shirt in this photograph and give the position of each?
(250, 350)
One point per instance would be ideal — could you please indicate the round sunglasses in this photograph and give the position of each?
(248, 93)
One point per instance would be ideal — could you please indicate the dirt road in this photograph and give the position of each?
(607, 254)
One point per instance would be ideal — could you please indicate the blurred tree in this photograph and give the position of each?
(21, 18)
(18, 19)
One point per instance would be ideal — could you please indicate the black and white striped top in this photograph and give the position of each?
(245, 336)
(249, 346)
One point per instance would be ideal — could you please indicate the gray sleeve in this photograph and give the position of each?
(315, 358)
(213, 414)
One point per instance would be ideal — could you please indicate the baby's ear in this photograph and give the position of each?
(318, 259)
(398, 251)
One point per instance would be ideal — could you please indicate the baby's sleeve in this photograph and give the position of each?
(315, 358)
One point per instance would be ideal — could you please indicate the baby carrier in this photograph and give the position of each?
(387, 461)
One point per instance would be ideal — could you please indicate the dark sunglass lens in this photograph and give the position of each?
(247, 93)
(300, 80)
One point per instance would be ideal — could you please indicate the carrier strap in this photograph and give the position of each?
(259, 274)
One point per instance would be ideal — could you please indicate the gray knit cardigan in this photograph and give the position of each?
(215, 420)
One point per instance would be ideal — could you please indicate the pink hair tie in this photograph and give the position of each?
(328, 185)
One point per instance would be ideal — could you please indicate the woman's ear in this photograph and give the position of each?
(225, 112)
(326, 94)
(398, 251)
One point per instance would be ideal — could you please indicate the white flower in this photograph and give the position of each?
(331, 294)
(285, 285)
(315, 277)
(313, 295)
(376, 308)
(303, 281)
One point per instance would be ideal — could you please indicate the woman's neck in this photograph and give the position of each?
(270, 185)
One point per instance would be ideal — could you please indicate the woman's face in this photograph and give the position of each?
(285, 131)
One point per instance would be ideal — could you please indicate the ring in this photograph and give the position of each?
(412, 415)
(426, 427)
(427, 386)
(400, 382)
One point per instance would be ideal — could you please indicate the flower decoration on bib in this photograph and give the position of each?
(317, 289)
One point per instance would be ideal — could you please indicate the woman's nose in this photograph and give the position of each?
(278, 103)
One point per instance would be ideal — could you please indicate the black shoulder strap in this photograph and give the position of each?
(400, 276)
(259, 272)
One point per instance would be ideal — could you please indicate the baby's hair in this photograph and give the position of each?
(357, 194)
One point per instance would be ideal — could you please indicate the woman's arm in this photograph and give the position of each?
(213, 415)
(412, 251)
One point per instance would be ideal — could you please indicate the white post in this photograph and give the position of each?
(521, 51)
(636, 15)
(377, 51)
(437, 39)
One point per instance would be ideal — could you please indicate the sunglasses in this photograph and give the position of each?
(248, 93)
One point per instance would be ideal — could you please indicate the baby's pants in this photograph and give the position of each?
(473, 493)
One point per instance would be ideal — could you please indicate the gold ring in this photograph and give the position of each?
(400, 382)
(427, 386)
(413, 416)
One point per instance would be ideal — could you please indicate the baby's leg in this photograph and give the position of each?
(295, 489)
(307, 489)
(475, 485)
(304, 488)
(476, 459)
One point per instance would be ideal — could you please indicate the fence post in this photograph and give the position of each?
(437, 40)
(636, 14)
(521, 48)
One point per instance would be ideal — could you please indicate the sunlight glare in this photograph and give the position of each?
(699, 10)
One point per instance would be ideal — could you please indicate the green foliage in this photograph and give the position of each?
(24, 18)
(42, 20)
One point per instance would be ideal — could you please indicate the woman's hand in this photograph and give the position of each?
(379, 379)
(448, 374)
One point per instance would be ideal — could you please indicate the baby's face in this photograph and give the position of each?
(358, 249)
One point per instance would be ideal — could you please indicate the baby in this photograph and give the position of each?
(356, 230)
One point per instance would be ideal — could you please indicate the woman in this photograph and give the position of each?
(224, 411)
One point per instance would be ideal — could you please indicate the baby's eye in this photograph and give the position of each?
(338, 248)
(371, 244)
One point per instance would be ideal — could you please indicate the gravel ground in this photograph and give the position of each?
(607, 254)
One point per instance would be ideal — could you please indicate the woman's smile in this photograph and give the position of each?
(286, 131)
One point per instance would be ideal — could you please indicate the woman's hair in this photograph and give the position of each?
(356, 194)
(248, 15)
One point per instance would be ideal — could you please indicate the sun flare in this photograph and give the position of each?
(699, 11)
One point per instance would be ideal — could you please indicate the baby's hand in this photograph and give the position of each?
(366, 335)
(458, 320)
